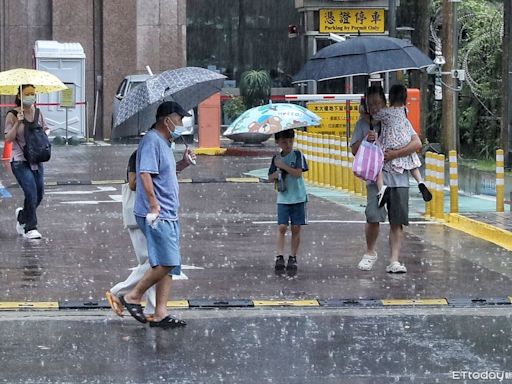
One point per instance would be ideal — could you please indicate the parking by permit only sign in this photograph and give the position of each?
(352, 20)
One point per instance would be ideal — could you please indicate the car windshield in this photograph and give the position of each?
(132, 85)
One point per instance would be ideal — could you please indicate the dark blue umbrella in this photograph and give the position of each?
(362, 55)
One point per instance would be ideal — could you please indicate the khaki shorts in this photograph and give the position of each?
(397, 206)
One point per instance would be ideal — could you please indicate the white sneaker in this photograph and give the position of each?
(396, 267)
(20, 228)
(33, 234)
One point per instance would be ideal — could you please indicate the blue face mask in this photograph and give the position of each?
(178, 130)
(29, 100)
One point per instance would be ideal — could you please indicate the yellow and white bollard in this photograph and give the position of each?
(429, 182)
(332, 161)
(454, 183)
(318, 158)
(337, 163)
(344, 163)
(351, 177)
(500, 181)
(321, 160)
(307, 155)
(326, 152)
(301, 146)
(311, 151)
(440, 187)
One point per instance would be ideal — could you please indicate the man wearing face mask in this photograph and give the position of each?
(156, 212)
(30, 177)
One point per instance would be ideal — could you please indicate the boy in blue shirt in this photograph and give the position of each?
(286, 172)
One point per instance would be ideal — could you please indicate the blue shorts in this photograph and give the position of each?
(163, 240)
(296, 214)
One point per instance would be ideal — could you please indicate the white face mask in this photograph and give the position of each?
(29, 100)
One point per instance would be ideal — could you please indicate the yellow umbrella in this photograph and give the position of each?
(44, 82)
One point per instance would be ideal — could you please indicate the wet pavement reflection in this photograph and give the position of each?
(258, 346)
(228, 242)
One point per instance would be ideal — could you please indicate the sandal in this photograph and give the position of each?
(168, 322)
(114, 303)
(135, 310)
(396, 267)
(425, 193)
(366, 263)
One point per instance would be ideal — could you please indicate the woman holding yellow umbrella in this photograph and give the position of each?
(25, 117)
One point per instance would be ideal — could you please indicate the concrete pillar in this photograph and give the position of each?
(209, 125)
(72, 23)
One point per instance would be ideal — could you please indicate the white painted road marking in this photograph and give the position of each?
(342, 222)
(99, 189)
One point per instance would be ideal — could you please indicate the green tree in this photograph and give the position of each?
(480, 31)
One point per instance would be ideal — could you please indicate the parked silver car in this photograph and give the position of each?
(142, 121)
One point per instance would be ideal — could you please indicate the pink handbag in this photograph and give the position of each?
(368, 160)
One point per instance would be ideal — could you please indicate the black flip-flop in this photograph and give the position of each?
(425, 193)
(168, 322)
(135, 310)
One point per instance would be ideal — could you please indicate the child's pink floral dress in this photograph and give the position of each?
(395, 134)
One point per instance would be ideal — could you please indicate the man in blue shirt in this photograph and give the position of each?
(156, 212)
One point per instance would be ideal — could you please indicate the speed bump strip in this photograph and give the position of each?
(415, 302)
(20, 305)
(177, 304)
(76, 304)
(286, 303)
(478, 302)
(336, 303)
(238, 303)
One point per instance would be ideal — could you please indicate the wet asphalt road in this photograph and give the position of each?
(229, 239)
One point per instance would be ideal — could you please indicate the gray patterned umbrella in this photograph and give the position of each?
(187, 86)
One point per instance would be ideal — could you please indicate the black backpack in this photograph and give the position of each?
(37, 147)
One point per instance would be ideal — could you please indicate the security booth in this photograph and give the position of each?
(67, 62)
